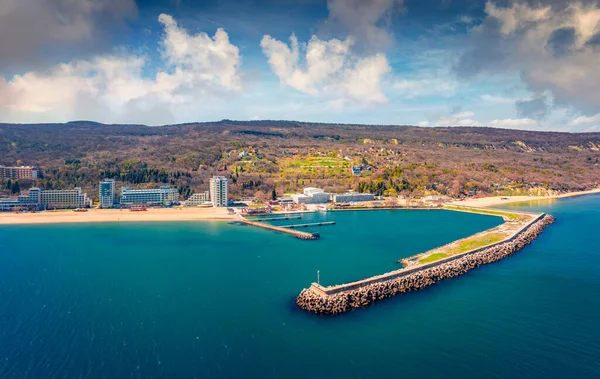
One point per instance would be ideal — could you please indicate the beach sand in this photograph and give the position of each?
(498, 200)
(116, 215)
(198, 214)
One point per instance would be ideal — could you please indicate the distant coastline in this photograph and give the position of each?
(216, 214)
(500, 200)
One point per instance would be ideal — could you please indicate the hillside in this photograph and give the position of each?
(261, 156)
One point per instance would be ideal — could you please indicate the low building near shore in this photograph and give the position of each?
(311, 195)
(257, 211)
(165, 196)
(9, 205)
(199, 200)
(39, 199)
(435, 199)
(352, 197)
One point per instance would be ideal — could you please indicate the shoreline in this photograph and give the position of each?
(116, 215)
(221, 214)
(497, 200)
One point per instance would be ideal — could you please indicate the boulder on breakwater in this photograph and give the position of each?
(331, 304)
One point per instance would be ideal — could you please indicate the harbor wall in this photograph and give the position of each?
(295, 233)
(407, 271)
(345, 297)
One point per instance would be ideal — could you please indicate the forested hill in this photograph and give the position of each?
(260, 156)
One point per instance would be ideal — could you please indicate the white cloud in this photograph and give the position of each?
(210, 60)
(425, 87)
(514, 17)
(468, 118)
(591, 129)
(423, 123)
(514, 123)
(582, 120)
(113, 87)
(459, 119)
(497, 99)
(328, 68)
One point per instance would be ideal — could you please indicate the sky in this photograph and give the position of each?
(519, 64)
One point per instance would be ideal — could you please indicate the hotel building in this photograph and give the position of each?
(61, 199)
(22, 172)
(197, 199)
(164, 195)
(107, 193)
(7, 205)
(218, 191)
(39, 199)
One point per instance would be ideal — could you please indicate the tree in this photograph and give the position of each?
(15, 187)
(9, 185)
(273, 194)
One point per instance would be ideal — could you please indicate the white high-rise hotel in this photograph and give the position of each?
(218, 191)
(107, 193)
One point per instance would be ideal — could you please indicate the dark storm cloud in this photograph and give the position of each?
(367, 21)
(548, 43)
(483, 53)
(561, 41)
(536, 108)
(33, 29)
(594, 41)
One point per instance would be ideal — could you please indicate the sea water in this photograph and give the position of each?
(216, 300)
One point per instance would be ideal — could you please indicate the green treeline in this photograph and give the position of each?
(13, 187)
(146, 175)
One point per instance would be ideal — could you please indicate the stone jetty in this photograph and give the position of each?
(339, 299)
(295, 233)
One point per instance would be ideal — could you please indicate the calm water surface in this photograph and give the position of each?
(213, 300)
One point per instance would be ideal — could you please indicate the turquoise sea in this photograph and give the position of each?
(216, 300)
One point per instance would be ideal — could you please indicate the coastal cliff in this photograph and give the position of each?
(316, 299)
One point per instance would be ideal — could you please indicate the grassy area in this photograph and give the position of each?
(508, 215)
(476, 242)
(310, 166)
(466, 245)
(433, 257)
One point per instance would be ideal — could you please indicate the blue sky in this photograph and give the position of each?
(524, 64)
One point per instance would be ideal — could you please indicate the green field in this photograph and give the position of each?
(466, 245)
(311, 166)
(433, 257)
(476, 242)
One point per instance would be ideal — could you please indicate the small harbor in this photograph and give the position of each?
(422, 270)
(281, 229)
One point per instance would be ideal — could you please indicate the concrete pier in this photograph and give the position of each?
(346, 297)
(324, 223)
(295, 233)
(293, 217)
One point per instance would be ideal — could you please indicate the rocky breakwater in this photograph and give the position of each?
(317, 300)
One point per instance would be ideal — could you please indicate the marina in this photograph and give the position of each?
(427, 268)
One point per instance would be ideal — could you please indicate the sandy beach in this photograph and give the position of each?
(499, 200)
(116, 215)
(203, 214)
